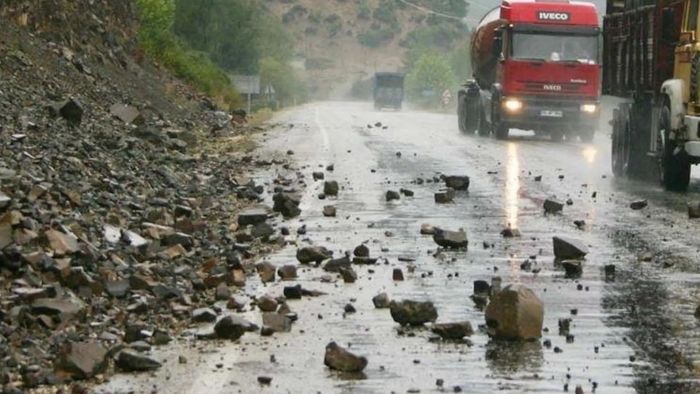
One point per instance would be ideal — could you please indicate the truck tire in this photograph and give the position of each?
(674, 169)
(462, 112)
(587, 136)
(484, 129)
(620, 143)
(556, 135)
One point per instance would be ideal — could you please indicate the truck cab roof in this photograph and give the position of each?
(556, 12)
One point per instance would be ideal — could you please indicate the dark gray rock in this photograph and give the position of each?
(414, 313)
(457, 182)
(82, 360)
(330, 188)
(381, 301)
(252, 216)
(444, 196)
(361, 251)
(277, 322)
(336, 265)
(451, 239)
(639, 204)
(453, 331)
(552, 206)
(340, 359)
(204, 315)
(130, 361)
(313, 254)
(232, 327)
(569, 248)
(329, 211)
(287, 204)
(392, 195)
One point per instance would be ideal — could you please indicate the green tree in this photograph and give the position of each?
(282, 77)
(430, 76)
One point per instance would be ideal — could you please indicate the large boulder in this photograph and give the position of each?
(451, 239)
(414, 313)
(313, 254)
(569, 248)
(342, 360)
(515, 313)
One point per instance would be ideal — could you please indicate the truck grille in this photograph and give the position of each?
(553, 88)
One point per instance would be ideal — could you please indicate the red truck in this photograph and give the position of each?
(536, 67)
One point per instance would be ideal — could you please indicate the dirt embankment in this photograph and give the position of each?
(116, 219)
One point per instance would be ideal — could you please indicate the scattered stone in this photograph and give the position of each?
(203, 315)
(573, 268)
(453, 331)
(313, 254)
(457, 182)
(569, 248)
(444, 196)
(414, 313)
(267, 303)
(72, 111)
(62, 244)
(610, 272)
(509, 232)
(330, 188)
(252, 216)
(340, 359)
(232, 327)
(293, 292)
(515, 313)
(329, 211)
(639, 204)
(397, 275)
(277, 322)
(392, 195)
(287, 204)
(349, 308)
(264, 380)
(131, 361)
(694, 210)
(381, 301)
(451, 239)
(426, 229)
(361, 251)
(287, 272)
(407, 193)
(336, 265)
(349, 275)
(127, 114)
(82, 360)
(552, 206)
(266, 271)
(318, 176)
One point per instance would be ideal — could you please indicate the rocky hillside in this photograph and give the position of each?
(116, 215)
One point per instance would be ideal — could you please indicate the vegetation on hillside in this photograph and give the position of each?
(203, 41)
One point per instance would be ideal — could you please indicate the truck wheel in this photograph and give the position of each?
(674, 169)
(462, 113)
(501, 131)
(556, 135)
(587, 136)
(484, 129)
(620, 143)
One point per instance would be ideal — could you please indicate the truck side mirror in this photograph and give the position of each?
(668, 22)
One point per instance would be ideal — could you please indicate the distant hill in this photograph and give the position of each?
(339, 42)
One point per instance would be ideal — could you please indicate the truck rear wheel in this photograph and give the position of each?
(468, 116)
(461, 112)
(674, 167)
(620, 144)
(501, 131)
(484, 129)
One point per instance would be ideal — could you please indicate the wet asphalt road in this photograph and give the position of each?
(634, 334)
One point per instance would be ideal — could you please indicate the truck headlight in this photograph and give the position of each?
(589, 108)
(512, 105)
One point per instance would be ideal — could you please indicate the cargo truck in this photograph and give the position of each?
(388, 90)
(651, 58)
(536, 67)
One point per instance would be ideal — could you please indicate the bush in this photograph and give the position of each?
(430, 76)
(289, 89)
(158, 41)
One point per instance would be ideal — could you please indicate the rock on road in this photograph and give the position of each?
(634, 333)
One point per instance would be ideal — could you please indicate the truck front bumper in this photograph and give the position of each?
(548, 113)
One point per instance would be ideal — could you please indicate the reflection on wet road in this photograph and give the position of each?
(636, 333)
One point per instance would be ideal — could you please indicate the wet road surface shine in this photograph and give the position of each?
(646, 314)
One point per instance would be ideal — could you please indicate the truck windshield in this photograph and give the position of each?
(555, 47)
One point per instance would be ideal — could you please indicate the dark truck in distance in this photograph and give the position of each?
(535, 67)
(388, 90)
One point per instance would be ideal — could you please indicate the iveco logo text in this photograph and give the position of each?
(556, 88)
(553, 16)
